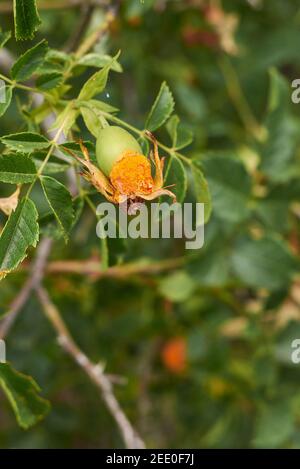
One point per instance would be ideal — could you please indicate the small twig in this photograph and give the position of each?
(37, 272)
(94, 37)
(92, 267)
(239, 100)
(95, 372)
(7, 7)
(86, 13)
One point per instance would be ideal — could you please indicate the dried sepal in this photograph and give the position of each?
(130, 178)
(9, 204)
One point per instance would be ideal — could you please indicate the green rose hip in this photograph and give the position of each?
(112, 142)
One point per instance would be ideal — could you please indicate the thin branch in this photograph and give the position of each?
(86, 13)
(239, 100)
(95, 36)
(7, 7)
(95, 372)
(37, 272)
(92, 267)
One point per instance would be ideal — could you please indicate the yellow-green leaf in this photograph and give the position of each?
(23, 394)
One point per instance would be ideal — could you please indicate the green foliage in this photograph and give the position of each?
(17, 169)
(49, 81)
(65, 119)
(176, 174)
(274, 427)
(229, 133)
(230, 186)
(4, 37)
(25, 142)
(277, 151)
(27, 19)
(60, 202)
(20, 232)
(97, 60)
(96, 84)
(201, 189)
(8, 95)
(264, 263)
(22, 393)
(180, 136)
(54, 166)
(91, 112)
(177, 287)
(29, 62)
(162, 108)
(91, 120)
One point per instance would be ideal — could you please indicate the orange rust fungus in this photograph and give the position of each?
(131, 174)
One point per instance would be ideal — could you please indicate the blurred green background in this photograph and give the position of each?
(205, 349)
